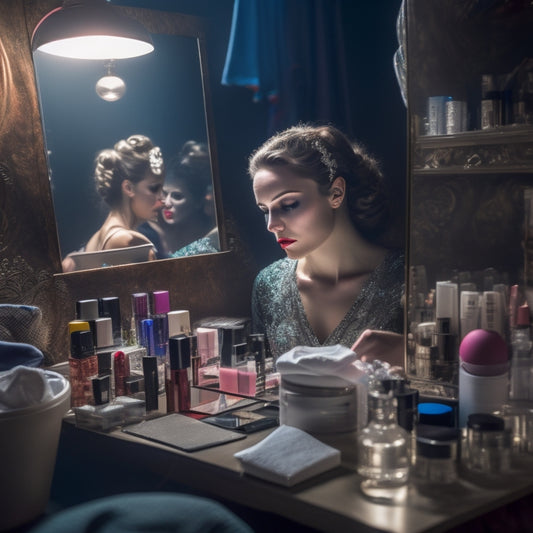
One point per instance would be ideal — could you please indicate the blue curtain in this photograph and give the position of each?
(291, 52)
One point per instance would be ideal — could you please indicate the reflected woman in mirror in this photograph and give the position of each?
(324, 200)
(187, 219)
(129, 178)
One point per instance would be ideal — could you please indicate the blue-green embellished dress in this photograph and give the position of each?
(278, 312)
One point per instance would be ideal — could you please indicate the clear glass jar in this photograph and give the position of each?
(436, 455)
(488, 444)
(383, 458)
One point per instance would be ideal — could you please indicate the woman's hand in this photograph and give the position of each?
(383, 345)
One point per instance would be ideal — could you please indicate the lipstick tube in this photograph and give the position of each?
(178, 383)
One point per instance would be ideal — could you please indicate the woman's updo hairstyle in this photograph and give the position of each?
(130, 159)
(324, 153)
(192, 165)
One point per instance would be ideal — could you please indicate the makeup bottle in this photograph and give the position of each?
(228, 373)
(151, 382)
(160, 308)
(208, 351)
(140, 312)
(109, 307)
(521, 360)
(121, 370)
(492, 312)
(483, 373)
(178, 381)
(247, 376)
(491, 103)
(83, 366)
(445, 366)
(256, 347)
(383, 458)
(147, 340)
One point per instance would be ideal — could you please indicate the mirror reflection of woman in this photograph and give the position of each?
(323, 199)
(129, 178)
(187, 215)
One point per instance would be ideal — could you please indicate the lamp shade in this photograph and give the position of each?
(91, 29)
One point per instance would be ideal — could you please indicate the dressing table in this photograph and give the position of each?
(329, 502)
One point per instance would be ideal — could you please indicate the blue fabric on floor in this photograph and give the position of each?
(149, 512)
(19, 353)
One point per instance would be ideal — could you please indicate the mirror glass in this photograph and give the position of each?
(163, 100)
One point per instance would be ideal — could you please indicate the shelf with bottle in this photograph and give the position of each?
(506, 149)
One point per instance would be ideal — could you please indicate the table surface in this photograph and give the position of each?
(331, 501)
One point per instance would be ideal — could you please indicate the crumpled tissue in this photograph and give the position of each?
(25, 386)
(324, 366)
(288, 456)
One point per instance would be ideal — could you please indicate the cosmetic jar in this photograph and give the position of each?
(317, 408)
(488, 444)
(437, 454)
(518, 419)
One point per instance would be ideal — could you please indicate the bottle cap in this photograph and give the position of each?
(179, 323)
(437, 442)
(436, 414)
(87, 309)
(81, 344)
(161, 302)
(522, 316)
(485, 422)
(139, 301)
(78, 325)
(179, 350)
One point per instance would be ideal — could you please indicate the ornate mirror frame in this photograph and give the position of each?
(29, 251)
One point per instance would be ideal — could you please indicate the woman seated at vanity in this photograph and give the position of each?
(324, 200)
(129, 178)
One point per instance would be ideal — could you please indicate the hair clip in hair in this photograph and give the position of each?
(156, 160)
(326, 158)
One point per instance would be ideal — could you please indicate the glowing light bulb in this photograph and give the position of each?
(110, 88)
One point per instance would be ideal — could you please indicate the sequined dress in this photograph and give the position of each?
(277, 309)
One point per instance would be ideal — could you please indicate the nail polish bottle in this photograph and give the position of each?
(83, 365)
(151, 383)
(256, 347)
(160, 308)
(140, 312)
(121, 367)
(178, 382)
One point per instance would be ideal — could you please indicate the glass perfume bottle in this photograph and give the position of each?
(383, 450)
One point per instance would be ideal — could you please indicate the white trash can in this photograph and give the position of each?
(29, 437)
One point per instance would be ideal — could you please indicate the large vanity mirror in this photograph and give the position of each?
(164, 99)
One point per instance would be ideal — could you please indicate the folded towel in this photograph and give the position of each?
(23, 386)
(324, 366)
(288, 456)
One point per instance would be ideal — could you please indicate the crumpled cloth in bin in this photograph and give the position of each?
(24, 386)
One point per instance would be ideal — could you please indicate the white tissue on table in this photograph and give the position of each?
(288, 456)
(24, 386)
(326, 366)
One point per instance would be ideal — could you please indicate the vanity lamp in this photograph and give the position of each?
(90, 29)
(110, 87)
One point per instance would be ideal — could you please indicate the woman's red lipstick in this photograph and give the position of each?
(284, 243)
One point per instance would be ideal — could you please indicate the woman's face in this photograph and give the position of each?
(147, 197)
(296, 212)
(178, 203)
